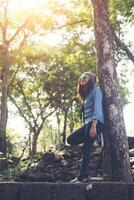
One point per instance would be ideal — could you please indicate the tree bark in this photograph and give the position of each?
(106, 67)
(4, 91)
(34, 144)
(5, 74)
(65, 127)
(58, 137)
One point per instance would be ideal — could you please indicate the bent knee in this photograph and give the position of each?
(69, 141)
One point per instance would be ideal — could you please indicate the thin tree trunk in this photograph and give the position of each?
(65, 127)
(58, 139)
(71, 120)
(115, 128)
(30, 145)
(34, 144)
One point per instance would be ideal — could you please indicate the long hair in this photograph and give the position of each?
(83, 91)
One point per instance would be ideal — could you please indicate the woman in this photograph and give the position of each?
(93, 119)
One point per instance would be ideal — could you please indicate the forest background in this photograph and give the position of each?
(51, 44)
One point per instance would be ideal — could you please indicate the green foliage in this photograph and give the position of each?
(9, 174)
(124, 8)
(13, 143)
(47, 138)
(124, 75)
(14, 169)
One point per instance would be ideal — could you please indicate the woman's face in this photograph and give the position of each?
(84, 78)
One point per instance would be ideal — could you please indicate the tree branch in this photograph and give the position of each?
(43, 120)
(18, 30)
(121, 45)
(42, 109)
(68, 24)
(25, 100)
(23, 41)
(20, 111)
(13, 78)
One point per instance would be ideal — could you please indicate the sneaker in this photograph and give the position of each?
(75, 180)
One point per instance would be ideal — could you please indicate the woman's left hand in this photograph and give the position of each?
(93, 131)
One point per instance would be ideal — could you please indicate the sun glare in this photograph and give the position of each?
(26, 7)
(25, 4)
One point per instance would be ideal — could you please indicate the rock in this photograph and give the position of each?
(55, 167)
(64, 166)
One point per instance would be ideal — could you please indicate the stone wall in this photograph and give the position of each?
(66, 191)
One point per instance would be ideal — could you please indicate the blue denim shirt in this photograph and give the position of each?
(93, 106)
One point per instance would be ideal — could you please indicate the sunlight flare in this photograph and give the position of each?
(25, 4)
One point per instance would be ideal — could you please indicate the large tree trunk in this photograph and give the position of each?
(5, 70)
(4, 91)
(115, 128)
